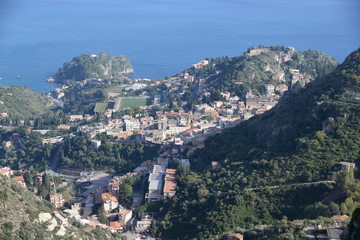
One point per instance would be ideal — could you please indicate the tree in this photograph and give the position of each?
(125, 191)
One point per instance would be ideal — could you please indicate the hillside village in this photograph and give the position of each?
(180, 133)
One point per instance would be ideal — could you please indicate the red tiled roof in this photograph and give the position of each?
(19, 178)
(340, 217)
(115, 225)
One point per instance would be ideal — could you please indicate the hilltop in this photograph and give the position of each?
(100, 66)
(22, 102)
(263, 65)
(300, 140)
(258, 72)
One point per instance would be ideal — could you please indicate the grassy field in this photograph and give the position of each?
(101, 107)
(128, 102)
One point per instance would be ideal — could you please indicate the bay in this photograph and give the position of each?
(163, 37)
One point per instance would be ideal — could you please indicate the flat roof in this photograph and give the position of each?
(156, 184)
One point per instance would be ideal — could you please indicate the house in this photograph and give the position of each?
(215, 166)
(279, 76)
(76, 206)
(63, 127)
(341, 218)
(269, 89)
(125, 215)
(144, 223)
(76, 118)
(8, 144)
(170, 183)
(201, 64)
(56, 199)
(116, 226)
(20, 179)
(347, 166)
(334, 233)
(95, 144)
(52, 140)
(114, 186)
(6, 171)
(110, 201)
(226, 95)
(235, 236)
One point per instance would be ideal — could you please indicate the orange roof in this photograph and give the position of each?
(3, 171)
(235, 235)
(170, 185)
(340, 217)
(88, 229)
(215, 164)
(115, 225)
(18, 178)
(91, 223)
(108, 196)
(171, 171)
(170, 182)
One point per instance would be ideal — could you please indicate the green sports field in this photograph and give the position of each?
(101, 107)
(129, 102)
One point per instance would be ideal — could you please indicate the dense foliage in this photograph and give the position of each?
(117, 157)
(20, 103)
(24, 150)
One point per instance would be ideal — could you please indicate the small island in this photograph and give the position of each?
(100, 66)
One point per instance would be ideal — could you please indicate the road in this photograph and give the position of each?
(278, 186)
(290, 185)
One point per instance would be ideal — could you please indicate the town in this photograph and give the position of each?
(179, 132)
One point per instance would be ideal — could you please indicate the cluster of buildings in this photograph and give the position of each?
(162, 184)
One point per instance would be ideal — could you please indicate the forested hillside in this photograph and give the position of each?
(300, 140)
(21, 102)
(94, 66)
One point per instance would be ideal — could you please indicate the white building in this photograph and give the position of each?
(156, 182)
(110, 201)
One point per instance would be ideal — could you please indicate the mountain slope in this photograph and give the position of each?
(24, 216)
(300, 140)
(22, 102)
(301, 125)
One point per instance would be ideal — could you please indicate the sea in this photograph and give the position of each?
(163, 37)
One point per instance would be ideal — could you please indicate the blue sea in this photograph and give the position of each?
(163, 37)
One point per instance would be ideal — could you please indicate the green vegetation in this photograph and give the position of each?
(101, 107)
(113, 157)
(130, 102)
(354, 226)
(91, 66)
(23, 150)
(300, 140)
(19, 218)
(238, 75)
(82, 99)
(21, 103)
